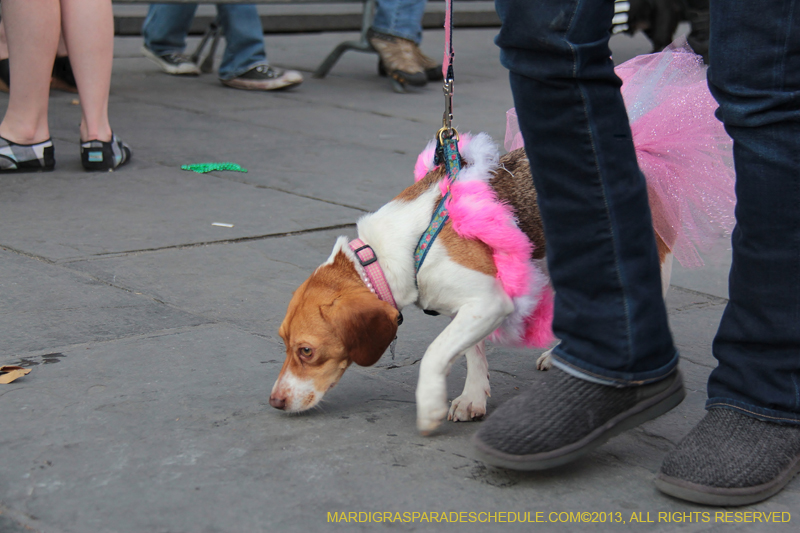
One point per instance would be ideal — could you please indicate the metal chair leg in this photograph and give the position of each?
(213, 33)
(208, 62)
(362, 45)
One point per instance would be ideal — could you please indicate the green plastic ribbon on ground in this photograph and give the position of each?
(202, 168)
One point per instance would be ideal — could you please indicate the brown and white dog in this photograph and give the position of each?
(334, 319)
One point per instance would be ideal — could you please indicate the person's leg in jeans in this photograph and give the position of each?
(164, 30)
(748, 445)
(396, 33)
(616, 364)
(401, 18)
(244, 36)
(244, 62)
(166, 26)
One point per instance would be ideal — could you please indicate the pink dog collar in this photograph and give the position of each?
(375, 280)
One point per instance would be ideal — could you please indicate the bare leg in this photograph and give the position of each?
(88, 27)
(62, 47)
(3, 42)
(32, 33)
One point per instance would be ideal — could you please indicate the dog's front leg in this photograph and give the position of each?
(473, 323)
(472, 402)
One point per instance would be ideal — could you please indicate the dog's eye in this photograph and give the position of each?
(305, 352)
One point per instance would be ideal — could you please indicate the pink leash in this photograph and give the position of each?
(447, 61)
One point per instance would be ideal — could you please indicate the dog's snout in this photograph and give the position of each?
(278, 402)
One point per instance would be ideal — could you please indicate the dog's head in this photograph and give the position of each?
(333, 320)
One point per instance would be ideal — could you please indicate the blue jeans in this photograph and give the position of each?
(401, 18)
(594, 204)
(755, 77)
(601, 251)
(166, 26)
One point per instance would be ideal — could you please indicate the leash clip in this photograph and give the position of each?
(447, 117)
(447, 131)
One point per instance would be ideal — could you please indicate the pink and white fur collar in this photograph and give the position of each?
(476, 213)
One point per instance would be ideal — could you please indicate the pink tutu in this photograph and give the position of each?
(682, 149)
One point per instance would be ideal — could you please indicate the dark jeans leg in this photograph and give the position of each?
(166, 26)
(609, 312)
(244, 39)
(755, 77)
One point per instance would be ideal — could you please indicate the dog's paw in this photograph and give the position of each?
(430, 419)
(467, 407)
(545, 362)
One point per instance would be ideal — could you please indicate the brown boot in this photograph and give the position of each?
(433, 70)
(398, 58)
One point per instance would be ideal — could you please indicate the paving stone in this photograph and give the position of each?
(79, 216)
(45, 308)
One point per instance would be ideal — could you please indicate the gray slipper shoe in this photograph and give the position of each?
(730, 458)
(564, 417)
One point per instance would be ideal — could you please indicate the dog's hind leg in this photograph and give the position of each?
(472, 402)
(666, 273)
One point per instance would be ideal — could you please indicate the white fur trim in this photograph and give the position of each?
(482, 156)
(341, 245)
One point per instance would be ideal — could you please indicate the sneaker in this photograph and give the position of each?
(730, 458)
(265, 78)
(399, 58)
(26, 157)
(564, 417)
(173, 62)
(100, 155)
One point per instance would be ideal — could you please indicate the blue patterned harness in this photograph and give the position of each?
(448, 152)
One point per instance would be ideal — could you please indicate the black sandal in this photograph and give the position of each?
(99, 155)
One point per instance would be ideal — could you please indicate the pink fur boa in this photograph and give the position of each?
(476, 213)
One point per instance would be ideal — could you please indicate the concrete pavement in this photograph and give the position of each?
(152, 334)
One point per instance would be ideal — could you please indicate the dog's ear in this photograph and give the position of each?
(366, 326)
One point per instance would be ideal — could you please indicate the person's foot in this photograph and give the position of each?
(265, 78)
(730, 458)
(26, 157)
(563, 417)
(172, 62)
(432, 69)
(398, 58)
(101, 155)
